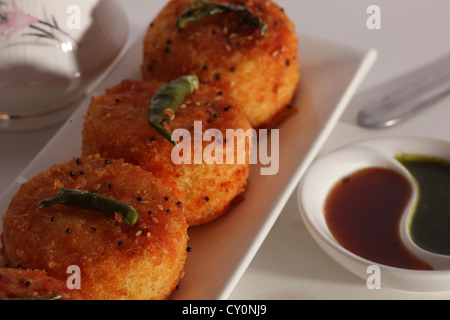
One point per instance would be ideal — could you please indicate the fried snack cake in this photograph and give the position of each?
(251, 49)
(117, 126)
(19, 284)
(116, 222)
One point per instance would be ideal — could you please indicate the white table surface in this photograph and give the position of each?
(289, 265)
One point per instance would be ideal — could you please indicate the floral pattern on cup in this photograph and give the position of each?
(14, 20)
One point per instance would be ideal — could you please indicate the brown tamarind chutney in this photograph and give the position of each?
(363, 212)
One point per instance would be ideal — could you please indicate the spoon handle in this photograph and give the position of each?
(408, 95)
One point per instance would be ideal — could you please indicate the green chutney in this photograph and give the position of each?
(430, 222)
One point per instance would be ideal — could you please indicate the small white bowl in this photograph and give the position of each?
(51, 52)
(329, 169)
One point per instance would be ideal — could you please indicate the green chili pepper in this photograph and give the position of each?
(167, 100)
(92, 201)
(201, 9)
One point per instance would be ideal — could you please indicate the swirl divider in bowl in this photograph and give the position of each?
(329, 169)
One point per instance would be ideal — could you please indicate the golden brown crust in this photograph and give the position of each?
(117, 261)
(116, 126)
(34, 284)
(226, 52)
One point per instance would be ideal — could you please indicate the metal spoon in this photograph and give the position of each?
(408, 95)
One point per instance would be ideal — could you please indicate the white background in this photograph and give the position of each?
(413, 33)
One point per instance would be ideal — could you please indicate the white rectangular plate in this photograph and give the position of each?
(223, 249)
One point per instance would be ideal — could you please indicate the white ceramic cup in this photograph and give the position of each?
(51, 52)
